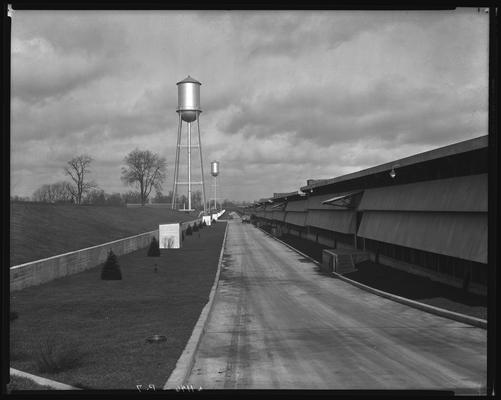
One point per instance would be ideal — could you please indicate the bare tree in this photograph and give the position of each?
(59, 192)
(42, 194)
(161, 198)
(131, 197)
(19, 198)
(145, 170)
(95, 197)
(114, 199)
(78, 169)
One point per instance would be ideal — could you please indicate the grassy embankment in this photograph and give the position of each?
(106, 323)
(404, 284)
(43, 230)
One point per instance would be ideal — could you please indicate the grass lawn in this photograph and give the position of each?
(107, 322)
(403, 284)
(40, 230)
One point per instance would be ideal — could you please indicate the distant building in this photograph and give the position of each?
(426, 213)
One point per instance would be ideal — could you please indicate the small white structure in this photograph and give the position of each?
(216, 216)
(206, 219)
(169, 236)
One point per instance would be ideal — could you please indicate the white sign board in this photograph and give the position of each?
(206, 218)
(214, 217)
(169, 236)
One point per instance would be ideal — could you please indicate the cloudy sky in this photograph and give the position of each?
(286, 96)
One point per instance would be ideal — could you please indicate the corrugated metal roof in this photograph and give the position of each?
(465, 193)
(285, 194)
(341, 200)
(452, 234)
(291, 196)
(456, 148)
(315, 202)
(265, 200)
(335, 220)
(295, 218)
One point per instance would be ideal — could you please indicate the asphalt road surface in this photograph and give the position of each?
(278, 323)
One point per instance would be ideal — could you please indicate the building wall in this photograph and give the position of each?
(444, 216)
(310, 236)
(435, 276)
(326, 241)
(431, 219)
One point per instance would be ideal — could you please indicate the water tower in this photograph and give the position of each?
(214, 170)
(188, 95)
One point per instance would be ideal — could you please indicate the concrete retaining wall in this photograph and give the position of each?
(45, 270)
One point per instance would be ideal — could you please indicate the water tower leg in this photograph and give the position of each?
(176, 165)
(189, 165)
(201, 161)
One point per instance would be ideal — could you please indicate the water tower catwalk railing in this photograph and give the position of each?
(189, 111)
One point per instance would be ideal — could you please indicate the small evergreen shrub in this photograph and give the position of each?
(154, 250)
(111, 268)
(189, 231)
(195, 227)
(203, 223)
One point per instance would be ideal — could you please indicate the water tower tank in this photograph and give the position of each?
(188, 97)
(214, 168)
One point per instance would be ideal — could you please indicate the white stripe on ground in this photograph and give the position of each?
(42, 381)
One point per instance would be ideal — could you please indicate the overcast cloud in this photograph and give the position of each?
(286, 96)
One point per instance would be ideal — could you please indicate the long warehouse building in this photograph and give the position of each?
(426, 214)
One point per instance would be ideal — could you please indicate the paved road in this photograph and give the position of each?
(278, 323)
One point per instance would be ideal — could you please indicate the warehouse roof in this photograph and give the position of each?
(287, 196)
(453, 149)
